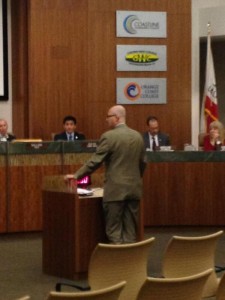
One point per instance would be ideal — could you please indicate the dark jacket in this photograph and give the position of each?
(63, 137)
(162, 138)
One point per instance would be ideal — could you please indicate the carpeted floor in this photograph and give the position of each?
(21, 260)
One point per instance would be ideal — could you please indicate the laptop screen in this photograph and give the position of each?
(84, 182)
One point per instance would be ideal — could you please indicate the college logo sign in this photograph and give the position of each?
(132, 91)
(141, 24)
(132, 24)
(141, 90)
(141, 58)
(129, 24)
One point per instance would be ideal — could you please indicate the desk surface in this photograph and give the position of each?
(58, 184)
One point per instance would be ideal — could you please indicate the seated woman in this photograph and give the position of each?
(215, 139)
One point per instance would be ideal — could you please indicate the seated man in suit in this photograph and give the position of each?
(153, 138)
(69, 134)
(4, 135)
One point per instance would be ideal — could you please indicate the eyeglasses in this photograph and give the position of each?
(109, 116)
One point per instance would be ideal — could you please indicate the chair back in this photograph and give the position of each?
(109, 293)
(111, 263)
(186, 256)
(185, 288)
(201, 137)
(220, 294)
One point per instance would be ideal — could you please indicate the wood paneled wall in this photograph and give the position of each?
(20, 68)
(71, 66)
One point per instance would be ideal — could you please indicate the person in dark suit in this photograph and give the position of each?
(69, 134)
(4, 135)
(153, 138)
(122, 150)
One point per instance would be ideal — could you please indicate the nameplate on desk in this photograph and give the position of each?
(89, 144)
(31, 144)
(36, 146)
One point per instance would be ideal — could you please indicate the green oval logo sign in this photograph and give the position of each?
(141, 57)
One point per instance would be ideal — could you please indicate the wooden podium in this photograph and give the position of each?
(72, 227)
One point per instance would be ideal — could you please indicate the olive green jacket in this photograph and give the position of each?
(122, 150)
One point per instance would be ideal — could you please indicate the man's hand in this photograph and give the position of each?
(68, 177)
(71, 182)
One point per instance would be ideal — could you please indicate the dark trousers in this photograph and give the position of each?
(121, 219)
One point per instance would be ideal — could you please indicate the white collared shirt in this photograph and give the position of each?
(3, 138)
(68, 136)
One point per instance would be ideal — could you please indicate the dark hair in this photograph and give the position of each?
(151, 118)
(69, 118)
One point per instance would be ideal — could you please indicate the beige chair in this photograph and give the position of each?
(112, 263)
(201, 137)
(24, 298)
(184, 288)
(220, 294)
(187, 256)
(53, 136)
(109, 293)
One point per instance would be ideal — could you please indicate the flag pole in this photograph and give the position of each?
(209, 109)
(209, 28)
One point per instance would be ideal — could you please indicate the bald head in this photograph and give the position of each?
(116, 115)
(3, 120)
(3, 127)
(119, 111)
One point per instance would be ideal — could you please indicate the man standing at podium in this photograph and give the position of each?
(122, 150)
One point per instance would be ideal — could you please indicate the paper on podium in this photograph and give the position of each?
(84, 192)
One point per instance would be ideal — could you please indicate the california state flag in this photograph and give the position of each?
(209, 110)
